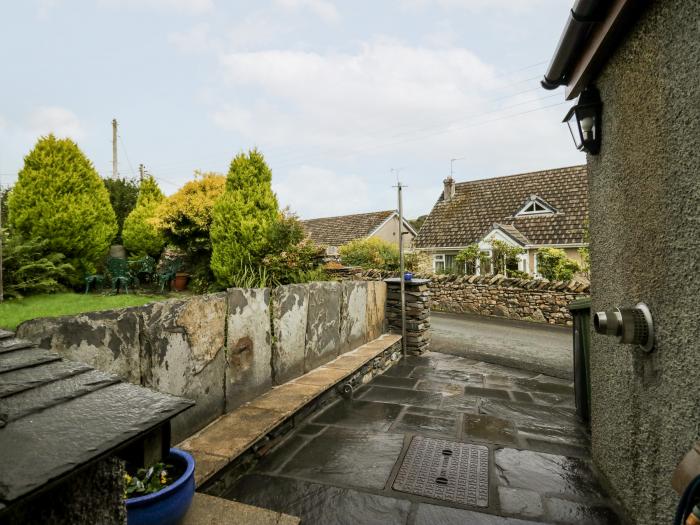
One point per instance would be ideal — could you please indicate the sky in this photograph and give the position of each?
(340, 96)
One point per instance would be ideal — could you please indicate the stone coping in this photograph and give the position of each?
(210, 510)
(223, 440)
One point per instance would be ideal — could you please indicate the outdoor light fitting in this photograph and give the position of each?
(585, 128)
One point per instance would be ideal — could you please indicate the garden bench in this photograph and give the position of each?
(167, 274)
(119, 273)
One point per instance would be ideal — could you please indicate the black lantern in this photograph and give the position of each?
(585, 128)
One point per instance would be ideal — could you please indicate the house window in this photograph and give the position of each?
(438, 263)
(535, 206)
(450, 263)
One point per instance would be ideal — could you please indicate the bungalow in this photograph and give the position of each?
(535, 210)
(334, 232)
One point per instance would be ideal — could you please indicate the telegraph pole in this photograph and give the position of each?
(141, 170)
(399, 187)
(114, 148)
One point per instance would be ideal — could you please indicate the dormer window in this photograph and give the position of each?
(535, 206)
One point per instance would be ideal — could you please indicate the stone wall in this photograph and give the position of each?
(536, 300)
(644, 217)
(224, 349)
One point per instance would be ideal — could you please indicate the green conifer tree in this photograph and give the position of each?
(140, 234)
(59, 197)
(242, 218)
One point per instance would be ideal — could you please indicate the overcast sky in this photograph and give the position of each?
(335, 94)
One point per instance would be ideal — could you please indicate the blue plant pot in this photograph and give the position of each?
(407, 276)
(167, 506)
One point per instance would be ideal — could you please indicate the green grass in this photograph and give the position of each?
(13, 312)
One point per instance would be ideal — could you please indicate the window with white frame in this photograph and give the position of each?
(535, 206)
(439, 263)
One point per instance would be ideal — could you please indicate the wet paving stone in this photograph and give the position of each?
(520, 502)
(421, 424)
(547, 473)
(395, 382)
(460, 402)
(439, 386)
(560, 449)
(445, 414)
(533, 385)
(537, 416)
(276, 459)
(399, 371)
(319, 504)
(564, 401)
(347, 457)
(311, 429)
(564, 511)
(446, 376)
(404, 397)
(359, 414)
(436, 515)
(486, 392)
(488, 428)
(521, 397)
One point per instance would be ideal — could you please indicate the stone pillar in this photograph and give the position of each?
(417, 312)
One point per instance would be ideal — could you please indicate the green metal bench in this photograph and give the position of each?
(95, 281)
(167, 273)
(119, 274)
(144, 266)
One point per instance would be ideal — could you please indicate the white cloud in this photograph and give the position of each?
(186, 6)
(378, 92)
(318, 192)
(52, 119)
(195, 40)
(322, 8)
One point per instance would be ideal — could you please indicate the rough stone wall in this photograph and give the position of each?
(536, 300)
(220, 350)
(645, 246)
(91, 496)
(530, 300)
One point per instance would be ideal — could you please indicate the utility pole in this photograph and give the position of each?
(402, 274)
(114, 149)
(141, 170)
(452, 163)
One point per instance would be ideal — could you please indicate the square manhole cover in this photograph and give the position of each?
(445, 470)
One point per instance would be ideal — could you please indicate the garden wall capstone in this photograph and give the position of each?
(221, 350)
(537, 300)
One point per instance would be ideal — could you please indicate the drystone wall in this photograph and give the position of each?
(537, 300)
(224, 349)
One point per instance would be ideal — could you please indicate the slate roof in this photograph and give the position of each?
(479, 206)
(58, 415)
(336, 231)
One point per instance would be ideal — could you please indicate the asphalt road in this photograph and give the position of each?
(521, 344)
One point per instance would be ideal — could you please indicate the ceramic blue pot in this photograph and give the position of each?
(407, 276)
(167, 506)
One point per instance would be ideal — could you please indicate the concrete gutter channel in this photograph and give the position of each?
(231, 446)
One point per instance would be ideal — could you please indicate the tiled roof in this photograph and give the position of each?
(336, 231)
(478, 205)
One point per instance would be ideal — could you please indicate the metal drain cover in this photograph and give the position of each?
(445, 470)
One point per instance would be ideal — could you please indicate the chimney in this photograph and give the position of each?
(449, 190)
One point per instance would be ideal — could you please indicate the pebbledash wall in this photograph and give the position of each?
(537, 300)
(224, 349)
(644, 217)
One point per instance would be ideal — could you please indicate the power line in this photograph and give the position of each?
(126, 153)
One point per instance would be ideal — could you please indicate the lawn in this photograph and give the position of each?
(13, 312)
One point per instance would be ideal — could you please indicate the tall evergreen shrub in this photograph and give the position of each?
(140, 234)
(60, 198)
(242, 218)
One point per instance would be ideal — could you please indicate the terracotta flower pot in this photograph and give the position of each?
(180, 281)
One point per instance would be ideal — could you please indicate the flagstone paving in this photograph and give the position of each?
(340, 466)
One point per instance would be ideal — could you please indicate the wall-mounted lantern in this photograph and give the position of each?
(585, 128)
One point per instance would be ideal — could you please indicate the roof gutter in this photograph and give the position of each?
(582, 17)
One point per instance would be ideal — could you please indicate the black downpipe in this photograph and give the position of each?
(582, 17)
